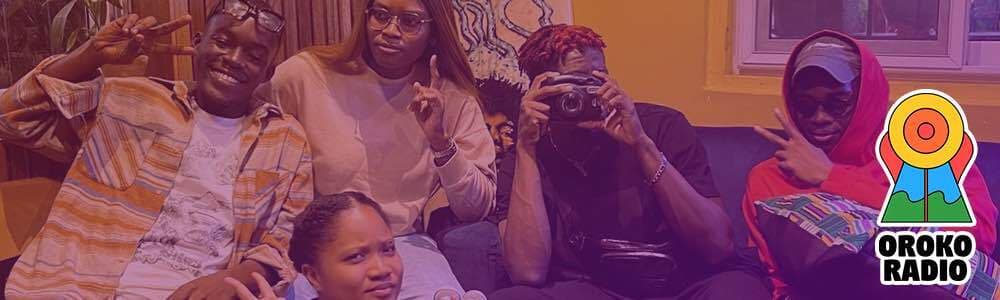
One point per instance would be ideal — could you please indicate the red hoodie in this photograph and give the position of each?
(856, 174)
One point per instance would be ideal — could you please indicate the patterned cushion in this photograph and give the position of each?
(837, 221)
(832, 219)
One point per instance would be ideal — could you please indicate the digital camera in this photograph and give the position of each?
(581, 104)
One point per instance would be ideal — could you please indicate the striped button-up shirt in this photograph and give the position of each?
(125, 138)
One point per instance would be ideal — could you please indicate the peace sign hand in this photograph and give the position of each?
(428, 108)
(797, 156)
(124, 39)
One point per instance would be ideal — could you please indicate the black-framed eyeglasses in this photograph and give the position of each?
(408, 23)
(243, 10)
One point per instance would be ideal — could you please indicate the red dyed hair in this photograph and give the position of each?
(545, 48)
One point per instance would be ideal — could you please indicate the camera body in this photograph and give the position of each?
(578, 105)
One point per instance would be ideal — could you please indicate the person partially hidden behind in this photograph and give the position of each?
(173, 187)
(614, 202)
(837, 97)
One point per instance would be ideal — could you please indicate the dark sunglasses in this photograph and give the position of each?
(834, 108)
(242, 10)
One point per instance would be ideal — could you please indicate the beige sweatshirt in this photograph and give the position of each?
(364, 139)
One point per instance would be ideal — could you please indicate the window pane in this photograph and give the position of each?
(864, 19)
(985, 20)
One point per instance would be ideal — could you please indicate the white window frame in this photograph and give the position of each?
(952, 58)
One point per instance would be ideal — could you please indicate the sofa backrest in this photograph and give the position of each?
(988, 160)
(732, 152)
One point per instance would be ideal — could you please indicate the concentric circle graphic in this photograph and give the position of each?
(926, 130)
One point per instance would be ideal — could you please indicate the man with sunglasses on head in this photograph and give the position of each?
(174, 186)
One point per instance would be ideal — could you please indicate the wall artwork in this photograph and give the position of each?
(492, 30)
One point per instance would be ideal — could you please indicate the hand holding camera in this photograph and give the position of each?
(622, 122)
(592, 102)
(534, 117)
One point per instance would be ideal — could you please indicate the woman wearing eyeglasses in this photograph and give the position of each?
(393, 113)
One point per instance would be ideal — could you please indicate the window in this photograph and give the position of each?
(984, 33)
(957, 40)
(866, 20)
(985, 25)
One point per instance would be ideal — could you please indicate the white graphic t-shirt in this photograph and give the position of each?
(193, 235)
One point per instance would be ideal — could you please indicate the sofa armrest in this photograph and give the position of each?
(24, 208)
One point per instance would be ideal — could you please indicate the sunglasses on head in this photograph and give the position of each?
(242, 10)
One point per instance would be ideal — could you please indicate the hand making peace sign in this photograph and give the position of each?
(798, 157)
(124, 39)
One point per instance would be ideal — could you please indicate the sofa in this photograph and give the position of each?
(733, 151)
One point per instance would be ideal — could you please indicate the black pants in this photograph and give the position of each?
(740, 285)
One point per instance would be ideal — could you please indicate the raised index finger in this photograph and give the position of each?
(435, 73)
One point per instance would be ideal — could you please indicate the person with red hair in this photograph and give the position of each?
(609, 198)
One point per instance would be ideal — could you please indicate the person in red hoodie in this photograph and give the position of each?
(836, 99)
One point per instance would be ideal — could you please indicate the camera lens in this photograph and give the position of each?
(572, 104)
